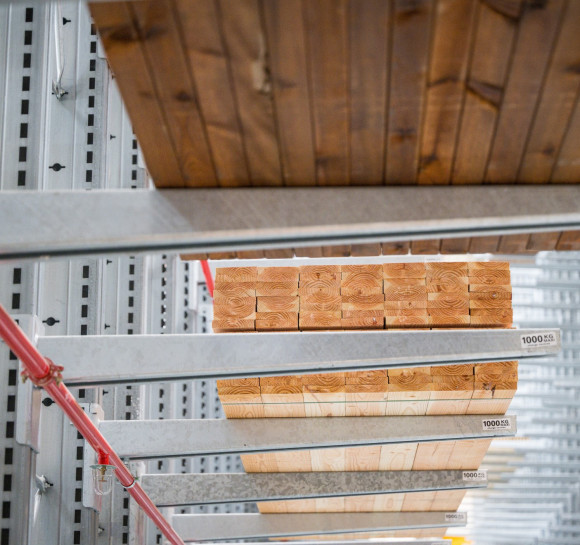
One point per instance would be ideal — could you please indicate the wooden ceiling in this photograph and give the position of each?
(335, 92)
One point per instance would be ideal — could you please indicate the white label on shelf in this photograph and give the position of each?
(456, 517)
(475, 476)
(539, 339)
(490, 424)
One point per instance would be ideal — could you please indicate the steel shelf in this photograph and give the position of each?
(94, 360)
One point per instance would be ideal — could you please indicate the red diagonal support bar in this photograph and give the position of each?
(44, 373)
(208, 277)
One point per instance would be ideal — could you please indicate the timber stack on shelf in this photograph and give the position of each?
(391, 296)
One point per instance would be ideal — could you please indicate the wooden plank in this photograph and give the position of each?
(366, 399)
(300, 506)
(276, 321)
(425, 247)
(363, 302)
(556, 104)
(296, 460)
(448, 401)
(361, 284)
(477, 290)
(455, 245)
(282, 253)
(127, 61)
(482, 245)
(362, 250)
(397, 457)
(327, 37)
(336, 251)
(312, 320)
(277, 274)
(567, 167)
(244, 410)
(404, 270)
(401, 402)
(272, 506)
(395, 248)
(448, 500)
(453, 301)
(500, 367)
(406, 293)
(324, 287)
(236, 307)
(537, 31)
(322, 302)
(473, 266)
(246, 48)
(388, 502)
(359, 504)
(158, 28)
(490, 302)
(418, 501)
(272, 289)
(359, 320)
(222, 255)
(499, 317)
(280, 303)
(231, 289)
(542, 242)
(236, 274)
(287, 53)
(328, 459)
(433, 455)
(308, 252)
(208, 64)
(260, 463)
(494, 40)
(409, 371)
(408, 70)
(445, 89)
(452, 370)
(368, 39)
(233, 325)
(250, 254)
(490, 277)
(376, 377)
(514, 244)
(362, 459)
(312, 272)
(569, 241)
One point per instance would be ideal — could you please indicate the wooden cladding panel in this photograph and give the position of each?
(361, 92)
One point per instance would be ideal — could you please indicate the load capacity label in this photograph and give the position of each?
(490, 424)
(475, 476)
(455, 517)
(539, 339)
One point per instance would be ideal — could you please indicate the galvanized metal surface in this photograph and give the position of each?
(203, 488)
(155, 438)
(217, 220)
(253, 526)
(102, 359)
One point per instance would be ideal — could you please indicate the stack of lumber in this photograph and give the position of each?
(483, 388)
(392, 296)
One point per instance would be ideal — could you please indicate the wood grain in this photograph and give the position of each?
(409, 60)
(286, 42)
(327, 31)
(208, 63)
(537, 31)
(368, 76)
(445, 89)
(557, 102)
(246, 49)
(161, 42)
